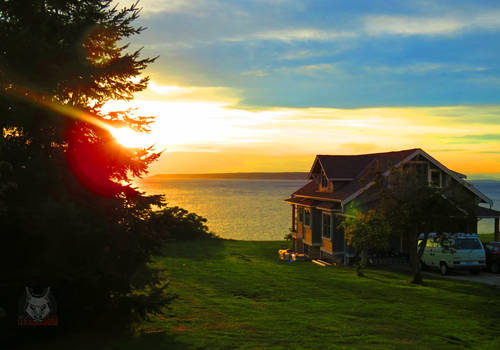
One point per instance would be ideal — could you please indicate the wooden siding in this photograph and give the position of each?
(311, 234)
(327, 245)
(300, 229)
(308, 235)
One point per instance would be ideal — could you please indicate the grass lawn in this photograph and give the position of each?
(234, 294)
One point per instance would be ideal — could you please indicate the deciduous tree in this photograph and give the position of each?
(409, 207)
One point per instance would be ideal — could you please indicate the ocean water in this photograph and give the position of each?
(249, 209)
(243, 209)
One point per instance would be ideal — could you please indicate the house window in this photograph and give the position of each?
(435, 178)
(418, 169)
(326, 225)
(307, 217)
(301, 214)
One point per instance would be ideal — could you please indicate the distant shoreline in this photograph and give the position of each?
(259, 176)
(264, 176)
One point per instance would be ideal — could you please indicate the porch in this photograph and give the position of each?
(486, 213)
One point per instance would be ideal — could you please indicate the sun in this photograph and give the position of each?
(131, 139)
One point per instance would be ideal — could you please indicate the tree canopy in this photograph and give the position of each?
(408, 206)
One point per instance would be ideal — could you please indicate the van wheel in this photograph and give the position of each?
(443, 268)
(495, 268)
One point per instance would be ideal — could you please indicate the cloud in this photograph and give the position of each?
(425, 67)
(311, 53)
(313, 69)
(259, 73)
(467, 115)
(298, 55)
(487, 20)
(480, 138)
(294, 34)
(406, 25)
(202, 120)
(378, 25)
(157, 6)
(199, 8)
(157, 91)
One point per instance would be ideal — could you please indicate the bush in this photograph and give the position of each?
(174, 223)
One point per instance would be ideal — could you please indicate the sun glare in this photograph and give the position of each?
(129, 138)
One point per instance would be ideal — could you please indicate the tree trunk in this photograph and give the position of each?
(361, 264)
(414, 258)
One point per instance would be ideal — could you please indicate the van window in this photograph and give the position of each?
(467, 243)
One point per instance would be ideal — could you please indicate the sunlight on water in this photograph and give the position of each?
(253, 209)
(235, 208)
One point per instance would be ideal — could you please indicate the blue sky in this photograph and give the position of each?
(265, 85)
(343, 54)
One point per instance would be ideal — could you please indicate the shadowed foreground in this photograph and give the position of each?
(234, 294)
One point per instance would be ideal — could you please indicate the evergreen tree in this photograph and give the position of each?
(70, 217)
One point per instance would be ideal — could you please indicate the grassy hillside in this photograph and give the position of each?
(238, 294)
(234, 294)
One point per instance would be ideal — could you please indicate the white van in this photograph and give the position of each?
(466, 252)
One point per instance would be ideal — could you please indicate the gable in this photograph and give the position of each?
(420, 155)
(349, 169)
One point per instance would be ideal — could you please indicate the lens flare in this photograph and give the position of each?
(129, 138)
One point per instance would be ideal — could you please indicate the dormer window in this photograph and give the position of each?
(324, 181)
(324, 185)
(435, 178)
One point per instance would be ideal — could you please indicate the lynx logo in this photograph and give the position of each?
(37, 308)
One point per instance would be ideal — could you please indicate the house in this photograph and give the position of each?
(340, 182)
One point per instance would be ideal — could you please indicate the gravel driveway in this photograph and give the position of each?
(483, 277)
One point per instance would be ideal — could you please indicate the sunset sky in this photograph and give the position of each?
(265, 85)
